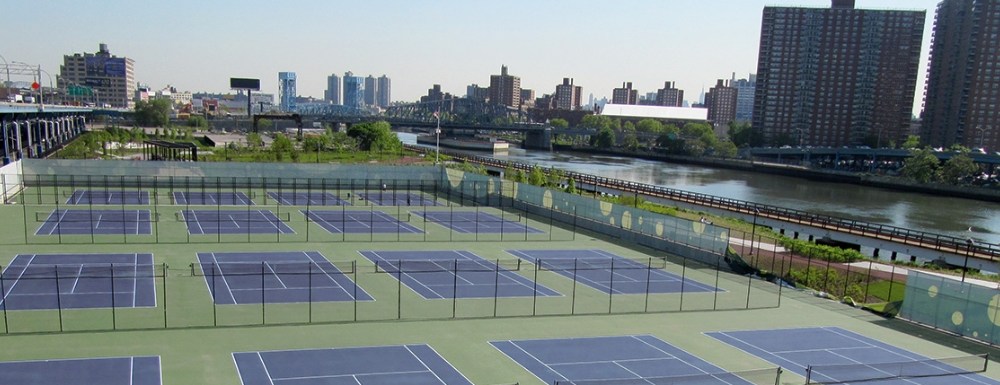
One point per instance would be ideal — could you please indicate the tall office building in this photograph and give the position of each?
(111, 78)
(962, 103)
(332, 93)
(836, 76)
(669, 95)
(354, 90)
(721, 103)
(286, 91)
(505, 89)
(384, 96)
(568, 96)
(744, 97)
(625, 94)
(371, 91)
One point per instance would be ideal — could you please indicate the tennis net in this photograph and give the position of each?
(271, 268)
(770, 376)
(850, 373)
(87, 270)
(446, 265)
(570, 264)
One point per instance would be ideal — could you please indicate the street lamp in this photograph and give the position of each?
(437, 137)
(968, 252)
(6, 66)
(753, 230)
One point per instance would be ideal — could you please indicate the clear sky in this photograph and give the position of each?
(199, 45)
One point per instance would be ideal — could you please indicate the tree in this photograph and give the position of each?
(605, 138)
(264, 124)
(280, 146)
(559, 123)
(254, 141)
(958, 168)
(315, 143)
(375, 136)
(651, 126)
(197, 121)
(912, 142)
(536, 176)
(629, 138)
(571, 186)
(554, 177)
(725, 149)
(743, 135)
(921, 166)
(154, 113)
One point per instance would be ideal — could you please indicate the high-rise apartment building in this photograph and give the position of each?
(332, 93)
(836, 76)
(384, 95)
(353, 90)
(962, 102)
(286, 91)
(744, 97)
(527, 98)
(625, 94)
(474, 91)
(721, 103)
(111, 77)
(568, 96)
(371, 91)
(505, 89)
(669, 95)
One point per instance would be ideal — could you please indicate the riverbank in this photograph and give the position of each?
(868, 180)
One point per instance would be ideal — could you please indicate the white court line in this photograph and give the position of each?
(275, 273)
(135, 276)
(224, 281)
(77, 280)
(16, 280)
(262, 364)
(407, 347)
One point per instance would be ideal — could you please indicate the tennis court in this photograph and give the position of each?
(357, 221)
(108, 197)
(377, 365)
(611, 273)
(83, 371)
(841, 356)
(393, 198)
(310, 198)
(90, 222)
(455, 274)
(476, 222)
(78, 281)
(212, 198)
(276, 277)
(623, 360)
(200, 222)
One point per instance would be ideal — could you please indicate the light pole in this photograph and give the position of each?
(437, 137)
(982, 134)
(6, 66)
(968, 252)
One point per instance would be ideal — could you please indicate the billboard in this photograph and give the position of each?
(244, 84)
(100, 66)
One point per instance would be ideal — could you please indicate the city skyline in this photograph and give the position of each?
(449, 43)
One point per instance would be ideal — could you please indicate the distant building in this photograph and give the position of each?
(669, 96)
(527, 98)
(744, 97)
(110, 78)
(625, 94)
(963, 78)
(437, 100)
(505, 89)
(568, 96)
(474, 91)
(371, 91)
(353, 90)
(836, 76)
(286, 91)
(332, 93)
(675, 115)
(721, 104)
(384, 95)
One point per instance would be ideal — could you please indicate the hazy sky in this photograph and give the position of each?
(199, 45)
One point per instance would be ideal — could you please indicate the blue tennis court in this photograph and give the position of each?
(393, 198)
(611, 273)
(277, 277)
(108, 197)
(376, 365)
(72, 221)
(311, 198)
(637, 359)
(83, 371)
(477, 222)
(455, 274)
(857, 359)
(357, 221)
(200, 222)
(212, 198)
(78, 281)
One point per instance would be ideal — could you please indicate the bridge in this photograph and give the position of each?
(921, 245)
(34, 130)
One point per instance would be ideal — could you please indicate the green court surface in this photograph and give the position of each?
(195, 335)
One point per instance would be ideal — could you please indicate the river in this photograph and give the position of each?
(942, 215)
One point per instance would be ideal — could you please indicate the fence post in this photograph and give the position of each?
(114, 314)
(263, 299)
(649, 270)
(611, 286)
(310, 286)
(58, 297)
(454, 290)
(715, 298)
(3, 295)
(163, 277)
(534, 287)
(496, 287)
(680, 306)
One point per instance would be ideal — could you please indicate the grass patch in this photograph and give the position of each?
(881, 290)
